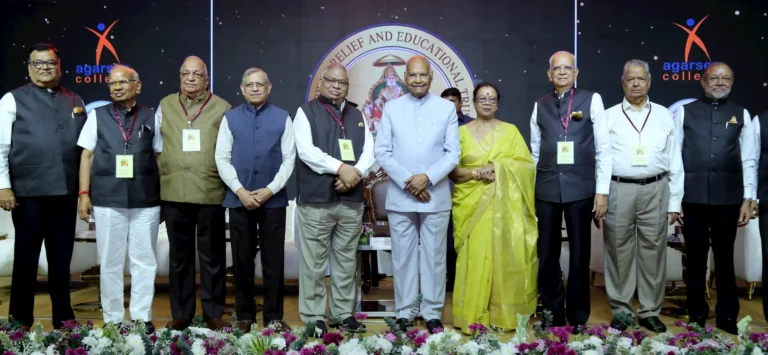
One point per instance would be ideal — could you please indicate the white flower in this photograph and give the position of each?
(135, 343)
(595, 341)
(757, 351)
(624, 343)
(352, 347)
(384, 345)
(590, 352)
(292, 352)
(37, 353)
(197, 347)
(576, 345)
(278, 343)
(406, 350)
(311, 344)
(50, 350)
(471, 347)
(246, 340)
(204, 332)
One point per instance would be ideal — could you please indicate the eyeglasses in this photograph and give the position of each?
(196, 74)
(336, 81)
(256, 85)
(725, 79)
(562, 68)
(122, 83)
(38, 64)
(491, 101)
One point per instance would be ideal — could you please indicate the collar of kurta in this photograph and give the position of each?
(259, 110)
(329, 102)
(628, 106)
(200, 98)
(711, 101)
(54, 90)
(566, 92)
(123, 110)
(421, 100)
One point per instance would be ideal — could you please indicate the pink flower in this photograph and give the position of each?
(391, 337)
(332, 338)
(420, 340)
(361, 316)
(267, 332)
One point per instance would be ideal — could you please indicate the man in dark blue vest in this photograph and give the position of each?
(255, 155)
(335, 150)
(719, 156)
(572, 177)
(120, 185)
(453, 95)
(39, 162)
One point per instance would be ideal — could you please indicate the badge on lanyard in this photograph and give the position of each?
(565, 149)
(124, 162)
(124, 166)
(639, 151)
(345, 147)
(190, 138)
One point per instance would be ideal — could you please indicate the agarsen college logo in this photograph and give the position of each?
(97, 73)
(688, 70)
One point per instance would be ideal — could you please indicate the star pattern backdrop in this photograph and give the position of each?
(735, 32)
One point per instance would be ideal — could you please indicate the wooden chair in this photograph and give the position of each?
(375, 193)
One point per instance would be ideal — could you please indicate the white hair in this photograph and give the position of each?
(635, 63)
(552, 58)
(129, 69)
(252, 70)
(205, 67)
(332, 66)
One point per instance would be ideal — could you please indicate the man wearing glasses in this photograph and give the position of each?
(255, 154)
(335, 149)
(120, 184)
(569, 152)
(719, 158)
(192, 194)
(39, 160)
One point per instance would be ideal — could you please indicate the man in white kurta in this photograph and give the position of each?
(418, 145)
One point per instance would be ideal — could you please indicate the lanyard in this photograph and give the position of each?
(337, 120)
(126, 137)
(567, 121)
(639, 132)
(189, 121)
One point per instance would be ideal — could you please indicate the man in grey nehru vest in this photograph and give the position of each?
(120, 181)
(719, 157)
(39, 159)
(335, 149)
(255, 154)
(568, 152)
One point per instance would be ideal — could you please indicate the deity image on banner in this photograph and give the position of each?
(389, 87)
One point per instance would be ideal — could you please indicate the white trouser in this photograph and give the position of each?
(408, 230)
(135, 229)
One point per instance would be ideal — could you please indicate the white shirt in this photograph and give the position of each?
(89, 135)
(7, 118)
(227, 171)
(602, 143)
(749, 152)
(658, 136)
(319, 161)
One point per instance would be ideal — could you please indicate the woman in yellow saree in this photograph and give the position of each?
(494, 220)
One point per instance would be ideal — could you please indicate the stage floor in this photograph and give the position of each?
(162, 314)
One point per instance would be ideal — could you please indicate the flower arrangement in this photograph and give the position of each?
(366, 234)
(113, 339)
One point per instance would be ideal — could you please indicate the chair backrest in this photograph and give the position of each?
(376, 196)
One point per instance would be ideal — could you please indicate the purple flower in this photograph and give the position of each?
(70, 324)
(228, 330)
(17, 335)
(153, 338)
(76, 336)
(562, 333)
(391, 337)
(274, 352)
(361, 316)
(708, 329)
(318, 349)
(438, 330)
(332, 338)
(8, 352)
(267, 332)
(679, 323)
(305, 351)
(478, 327)
(289, 338)
(412, 333)
(420, 340)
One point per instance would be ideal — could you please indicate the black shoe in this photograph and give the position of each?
(403, 324)
(320, 330)
(434, 326)
(350, 324)
(700, 321)
(149, 328)
(728, 326)
(558, 320)
(579, 329)
(621, 325)
(653, 324)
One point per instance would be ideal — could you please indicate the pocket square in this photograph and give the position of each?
(733, 120)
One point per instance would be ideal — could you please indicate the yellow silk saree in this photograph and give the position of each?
(495, 232)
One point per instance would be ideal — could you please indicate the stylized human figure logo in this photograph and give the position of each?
(565, 149)
(123, 163)
(190, 137)
(346, 146)
(693, 37)
(103, 41)
(640, 152)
